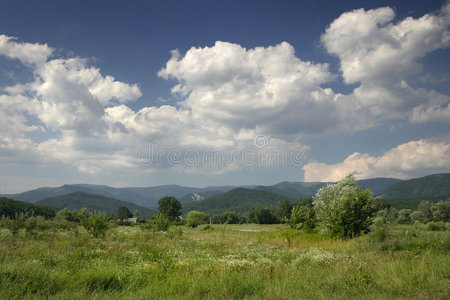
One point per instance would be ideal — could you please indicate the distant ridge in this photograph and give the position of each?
(294, 190)
(428, 187)
(78, 200)
(433, 187)
(377, 185)
(239, 200)
(142, 196)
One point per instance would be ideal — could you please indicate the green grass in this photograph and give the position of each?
(220, 263)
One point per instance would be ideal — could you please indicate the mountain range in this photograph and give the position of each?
(216, 199)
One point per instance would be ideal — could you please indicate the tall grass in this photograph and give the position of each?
(219, 263)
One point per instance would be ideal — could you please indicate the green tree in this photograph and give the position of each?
(404, 216)
(425, 208)
(259, 215)
(441, 211)
(303, 217)
(160, 222)
(170, 207)
(344, 209)
(195, 218)
(228, 217)
(123, 213)
(283, 210)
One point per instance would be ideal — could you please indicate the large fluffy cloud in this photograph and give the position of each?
(71, 113)
(266, 88)
(404, 161)
(372, 48)
(67, 99)
(382, 56)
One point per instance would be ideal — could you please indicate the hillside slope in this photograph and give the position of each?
(239, 200)
(433, 187)
(78, 200)
(294, 190)
(377, 185)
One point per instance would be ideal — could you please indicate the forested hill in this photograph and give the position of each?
(78, 200)
(433, 187)
(239, 200)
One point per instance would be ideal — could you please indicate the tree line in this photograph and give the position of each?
(342, 210)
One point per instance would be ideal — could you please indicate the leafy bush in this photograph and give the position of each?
(160, 222)
(303, 217)
(195, 218)
(96, 224)
(441, 211)
(436, 226)
(404, 216)
(380, 229)
(344, 209)
(14, 224)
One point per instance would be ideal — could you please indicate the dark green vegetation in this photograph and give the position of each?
(78, 200)
(170, 207)
(239, 200)
(434, 188)
(10, 208)
(123, 213)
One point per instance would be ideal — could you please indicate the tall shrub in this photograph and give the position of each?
(344, 209)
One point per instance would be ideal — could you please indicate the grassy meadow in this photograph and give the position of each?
(217, 262)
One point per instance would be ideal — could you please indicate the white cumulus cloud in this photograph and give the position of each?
(27, 53)
(382, 56)
(268, 88)
(407, 160)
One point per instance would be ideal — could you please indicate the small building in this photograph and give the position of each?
(130, 220)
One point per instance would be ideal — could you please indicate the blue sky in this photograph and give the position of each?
(256, 92)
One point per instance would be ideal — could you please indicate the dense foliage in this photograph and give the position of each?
(303, 215)
(433, 188)
(228, 217)
(170, 207)
(425, 212)
(195, 218)
(10, 208)
(261, 215)
(239, 200)
(123, 213)
(344, 209)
